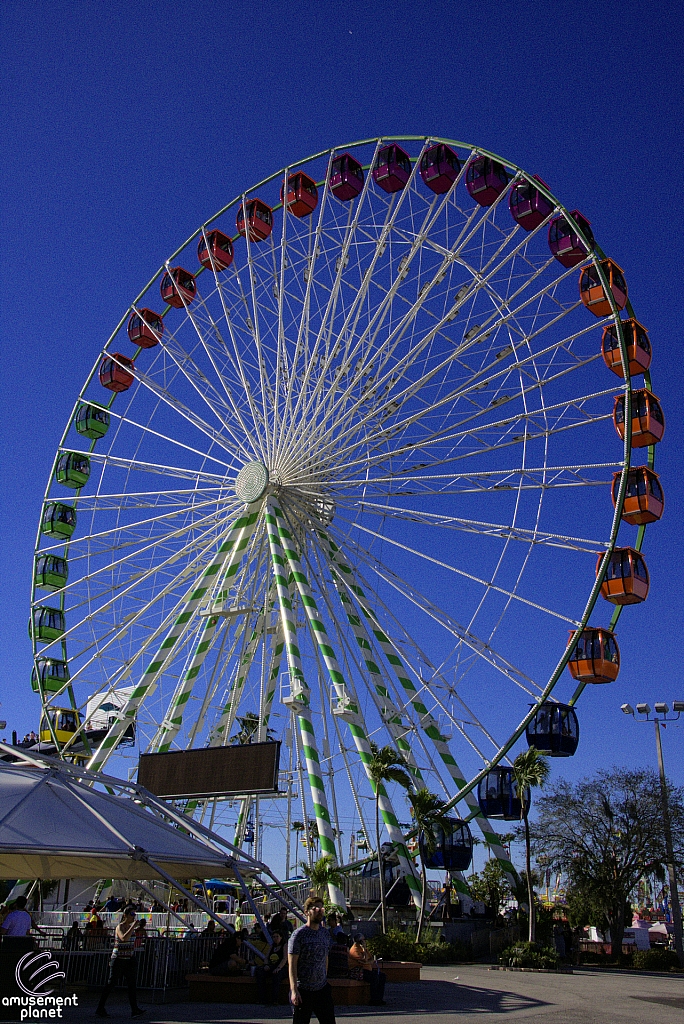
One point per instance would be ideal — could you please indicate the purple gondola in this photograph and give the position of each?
(392, 169)
(565, 243)
(529, 208)
(439, 168)
(346, 177)
(486, 179)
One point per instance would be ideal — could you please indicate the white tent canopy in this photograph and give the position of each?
(53, 826)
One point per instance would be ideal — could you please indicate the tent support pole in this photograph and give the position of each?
(250, 900)
(165, 906)
(193, 899)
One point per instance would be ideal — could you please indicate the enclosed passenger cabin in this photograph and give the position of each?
(59, 520)
(554, 730)
(65, 722)
(346, 177)
(116, 372)
(564, 242)
(92, 421)
(648, 422)
(72, 469)
(302, 194)
(145, 328)
(454, 849)
(46, 624)
(644, 499)
(626, 580)
(259, 220)
(595, 657)
(637, 343)
(486, 179)
(51, 572)
(178, 287)
(593, 294)
(529, 208)
(49, 675)
(217, 252)
(498, 795)
(439, 168)
(392, 168)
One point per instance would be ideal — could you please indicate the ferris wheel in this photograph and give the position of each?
(343, 474)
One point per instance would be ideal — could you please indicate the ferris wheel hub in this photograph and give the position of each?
(251, 482)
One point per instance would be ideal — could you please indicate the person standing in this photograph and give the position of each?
(122, 964)
(308, 949)
(271, 974)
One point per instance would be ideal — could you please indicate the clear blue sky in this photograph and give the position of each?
(126, 125)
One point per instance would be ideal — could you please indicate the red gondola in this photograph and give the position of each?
(145, 328)
(648, 422)
(217, 252)
(644, 499)
(591, 289)
(346, 177)
(564, 242)
(626, 580)
(439, 168)
(638, 347)
(259, 219)
(116, 372)
(486, 179)
(176, 286)
(392, 169)
(302, 194)
(595, 657)
(529, 208)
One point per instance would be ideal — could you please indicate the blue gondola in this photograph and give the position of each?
(454, 850)
(498, 795)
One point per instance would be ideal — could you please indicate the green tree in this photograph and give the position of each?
(385, 765)
(530, 770)
(607, 833)
(490, 886)
(322, 874)
(428, 815)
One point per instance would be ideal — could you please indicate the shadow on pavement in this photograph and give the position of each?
(447, 997)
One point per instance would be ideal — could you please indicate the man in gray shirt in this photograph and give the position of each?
(308, 950)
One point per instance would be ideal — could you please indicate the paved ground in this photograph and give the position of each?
(460, 995)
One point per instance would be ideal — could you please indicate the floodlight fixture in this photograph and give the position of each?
(644, 709)
(627, 708)
(678, 705)
(661, 708)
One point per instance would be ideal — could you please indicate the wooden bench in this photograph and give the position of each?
(401, 970)
(241, 988)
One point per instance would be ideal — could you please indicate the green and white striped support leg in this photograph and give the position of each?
(427, 722)
(343, 691)
(236, 541)
(301, 690)
(386, 708)
(225, 722)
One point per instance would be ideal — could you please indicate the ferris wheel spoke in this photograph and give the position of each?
(177, 472)
(231, 550)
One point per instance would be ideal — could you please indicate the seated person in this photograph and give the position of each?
(338, 957)
(363, 964)
(225, 959)
(273, 972)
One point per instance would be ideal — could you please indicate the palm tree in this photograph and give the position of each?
(385, 765)
(530, 770)
(428, 813)
(322, 874)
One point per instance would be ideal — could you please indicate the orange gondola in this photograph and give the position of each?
(178, 287)
(302, 194)
(145, 328)
(259, 219)
(595, 657)
(644, 499)
(638, 347)
(626, 580)
(591, 289)
(648, 422)
(216, 253)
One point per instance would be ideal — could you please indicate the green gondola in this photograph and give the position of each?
(59, 520)
(46, 623)
(49, 674)
(92, 421)
(52, 572)
(73, 469)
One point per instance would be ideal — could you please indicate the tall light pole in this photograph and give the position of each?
(662, 714)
